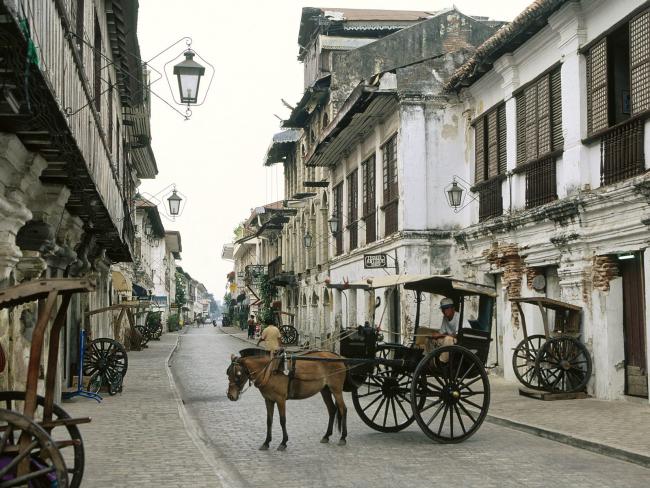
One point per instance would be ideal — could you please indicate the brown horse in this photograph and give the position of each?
(306, 378)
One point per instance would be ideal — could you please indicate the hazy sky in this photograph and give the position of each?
(215, 158)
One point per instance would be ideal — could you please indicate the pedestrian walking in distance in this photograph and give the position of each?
(251, 327)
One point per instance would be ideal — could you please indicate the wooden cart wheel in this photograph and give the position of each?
(145, 335)
(64, 438)
(524, 359)
(46, 465)
(450, 399)
(289, 334)
(382, 400)
(563, 365)
(156, 332)
(106, 357)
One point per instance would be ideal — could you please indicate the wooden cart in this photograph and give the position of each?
(31, 442)
(556, 361)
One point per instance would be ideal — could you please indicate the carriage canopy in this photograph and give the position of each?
(437, 284)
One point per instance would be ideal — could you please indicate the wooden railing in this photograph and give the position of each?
(541, 184)
(622, 152)
(490, 200)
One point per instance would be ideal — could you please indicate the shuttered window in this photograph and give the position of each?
(338, 212)
(539, 136)
(640, 62)
(390, 187)
(369, 198)
(353, 208)
(490, 160)
(618, 97)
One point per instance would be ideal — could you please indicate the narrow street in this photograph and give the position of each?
(495, 457)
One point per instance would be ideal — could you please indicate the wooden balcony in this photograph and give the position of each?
(48, 102)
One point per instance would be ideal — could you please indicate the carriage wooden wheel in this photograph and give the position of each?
(28, 454)
(65, 436)
(450, 394)
(382, 401)
(563, 365)
(524, 359)
(106, 362)
(289, 334)
(23, 441)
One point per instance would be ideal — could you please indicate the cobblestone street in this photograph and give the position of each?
(495, 456)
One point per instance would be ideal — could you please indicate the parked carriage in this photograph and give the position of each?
(556, 361)
(445, 390)
(33, 440)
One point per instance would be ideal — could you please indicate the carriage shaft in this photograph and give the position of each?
(397, 363)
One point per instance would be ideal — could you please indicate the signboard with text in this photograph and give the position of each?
(374, 261)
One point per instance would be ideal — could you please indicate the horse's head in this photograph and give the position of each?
(237, 378)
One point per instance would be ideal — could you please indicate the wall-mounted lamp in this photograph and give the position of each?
(307, 240)
(333, 222)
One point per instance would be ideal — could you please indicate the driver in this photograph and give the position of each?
(448, 328)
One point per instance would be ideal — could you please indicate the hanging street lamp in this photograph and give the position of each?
(174, 203)
(189, 74)
(334, 224)
(307, 240)
(455, 195)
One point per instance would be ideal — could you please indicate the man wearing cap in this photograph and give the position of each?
(448, 327)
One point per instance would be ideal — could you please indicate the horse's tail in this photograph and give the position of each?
(339, 419)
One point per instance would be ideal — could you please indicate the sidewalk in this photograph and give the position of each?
(619, 429)
(141, 437)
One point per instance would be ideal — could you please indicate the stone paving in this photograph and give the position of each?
(494, 457)
(622, 425)
(138, 438)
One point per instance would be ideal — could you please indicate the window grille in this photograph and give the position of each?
(540, 182)
(622, 152)
(490, 201)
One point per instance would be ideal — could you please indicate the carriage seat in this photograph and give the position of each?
(476, 340)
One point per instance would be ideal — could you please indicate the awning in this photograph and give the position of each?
(139, 291)
(120, 282)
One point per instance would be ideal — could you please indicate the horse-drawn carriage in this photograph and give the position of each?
(445, 390)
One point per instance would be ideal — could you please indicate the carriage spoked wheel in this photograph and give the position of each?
(66, 438)
(156, 332)
(45, 464)
(289, 334)
(382, 400)
(450, 399)
(563, 365)
(105, 359)
(524, 358)
(145, 335)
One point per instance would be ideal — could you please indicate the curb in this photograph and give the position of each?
(592, 446)
(225, 475)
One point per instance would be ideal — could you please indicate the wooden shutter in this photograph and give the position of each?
(557, 139)
(501, 122)
(492, 145)
(393, 165)
(479, 150)
(521, 128)
(597, 107)
(640, 62)
(543, 116)
(531, 122)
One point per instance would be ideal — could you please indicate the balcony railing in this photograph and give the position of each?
(490, 200)
(541, 184)
(622, 152)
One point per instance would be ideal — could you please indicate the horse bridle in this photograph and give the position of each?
(239, 379)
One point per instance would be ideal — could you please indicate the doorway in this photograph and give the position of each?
(636, 373)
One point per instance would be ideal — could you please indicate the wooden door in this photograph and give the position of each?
(636, 379)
